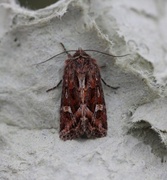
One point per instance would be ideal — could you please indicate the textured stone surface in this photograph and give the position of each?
(29, 117)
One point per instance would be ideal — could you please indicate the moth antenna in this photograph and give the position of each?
(67, 52)
(107, 53)
(50, 58)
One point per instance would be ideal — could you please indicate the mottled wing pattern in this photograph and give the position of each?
(83, 111)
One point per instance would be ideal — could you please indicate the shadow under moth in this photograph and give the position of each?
(82, 109)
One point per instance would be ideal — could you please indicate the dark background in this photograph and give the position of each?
(35, 4)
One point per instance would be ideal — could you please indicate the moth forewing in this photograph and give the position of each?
(83, 111)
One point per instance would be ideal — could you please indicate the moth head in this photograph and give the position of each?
(80, 53)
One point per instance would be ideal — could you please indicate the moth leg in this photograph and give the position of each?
(55, 86)
(69, 55)
(64, 47)
(109, 85)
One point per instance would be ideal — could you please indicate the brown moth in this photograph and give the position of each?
(83, 109)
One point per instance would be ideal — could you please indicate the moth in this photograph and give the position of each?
(82, 110)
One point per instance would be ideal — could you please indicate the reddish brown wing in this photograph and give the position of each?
(96, 103)
(83, 111)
